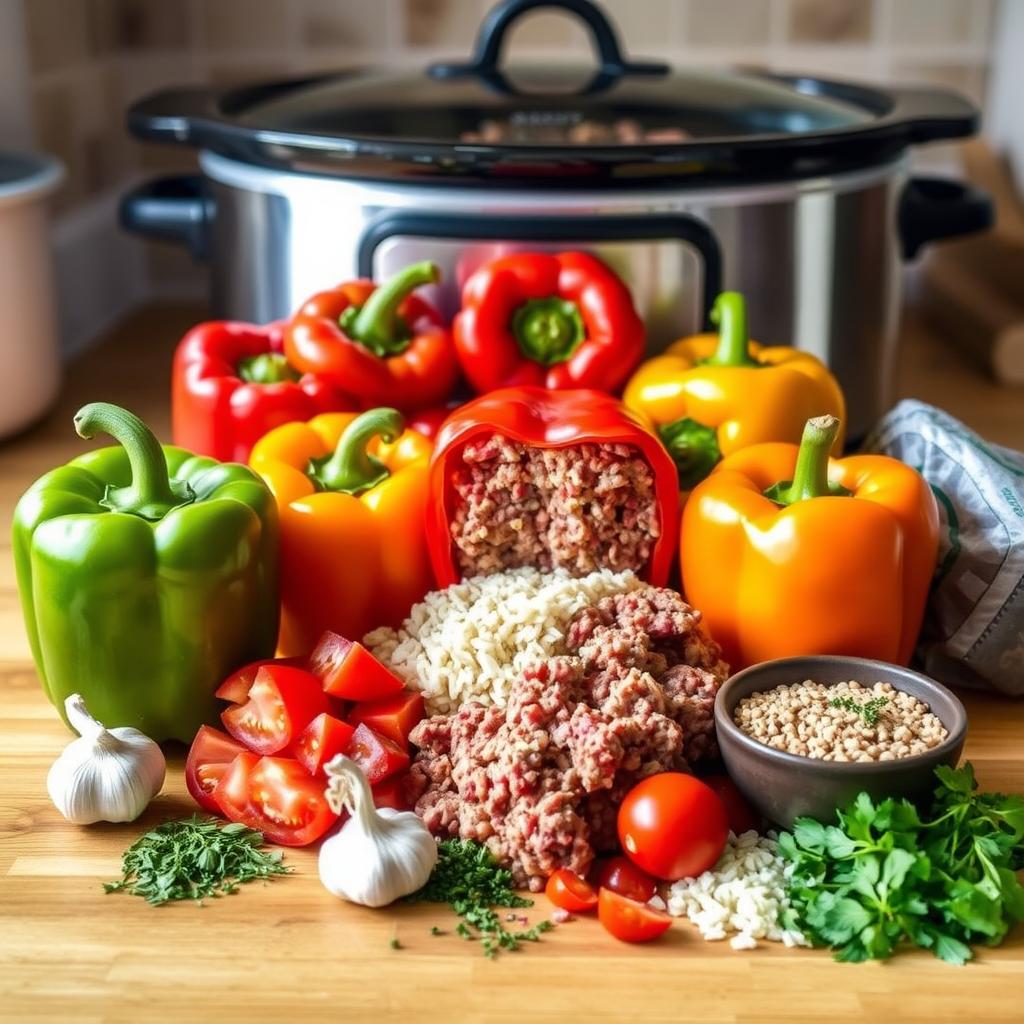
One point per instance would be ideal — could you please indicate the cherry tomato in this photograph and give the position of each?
(277, 796)
(393, 717)
(324, 737)
(569, 891)
(209, 757)
(629, 920)
(621, 875)
(741, 816)
(237, 685)
(673, 826)
(378, 756)
(348, 670)
(283, 700)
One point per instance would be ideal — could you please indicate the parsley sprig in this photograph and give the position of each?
(469, 879)
(195, 858)
(885, 876)
(870, 711)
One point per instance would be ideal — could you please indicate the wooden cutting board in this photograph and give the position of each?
(288, 951)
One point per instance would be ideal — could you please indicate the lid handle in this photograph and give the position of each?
(490, 41)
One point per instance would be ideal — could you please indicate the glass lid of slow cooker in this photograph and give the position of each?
(549, 106)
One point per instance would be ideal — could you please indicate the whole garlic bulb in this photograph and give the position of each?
(377, 856)
(106, 774)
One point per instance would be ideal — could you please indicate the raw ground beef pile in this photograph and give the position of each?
(579, 508)
(540, 781)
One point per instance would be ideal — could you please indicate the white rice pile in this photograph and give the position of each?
(471, 640)
(744, 894)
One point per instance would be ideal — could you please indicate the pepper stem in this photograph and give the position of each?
(729, 314)
(810, 478)
(549, 330)
(376, 324)
(694, 450)
(266, 368)
(350, 468)
(151, 494)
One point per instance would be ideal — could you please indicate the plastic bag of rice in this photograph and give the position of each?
(472, 639)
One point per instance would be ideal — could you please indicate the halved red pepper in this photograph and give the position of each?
(562, 320)
(231, 383)
(385, 345)
(546, 419)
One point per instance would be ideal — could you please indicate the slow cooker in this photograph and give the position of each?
(792, 189)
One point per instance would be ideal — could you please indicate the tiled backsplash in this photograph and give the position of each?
(91, 58)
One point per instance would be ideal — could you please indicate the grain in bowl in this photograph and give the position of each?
(845, 721)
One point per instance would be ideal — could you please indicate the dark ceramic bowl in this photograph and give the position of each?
(785, 786)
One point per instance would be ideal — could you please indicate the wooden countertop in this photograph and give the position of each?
(69, 952)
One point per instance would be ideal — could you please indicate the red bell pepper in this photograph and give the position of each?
(546, 419)
(554, 321)
(386, 345)
(232, 383)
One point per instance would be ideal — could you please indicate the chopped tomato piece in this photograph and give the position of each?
(621, 875)
(208, 759)
(569, 891)
(378, 756)
(629, 920)
(277, 796)
(391, 793)
(321, 740)
(283, 700)
(348, 670)
(237, 685)
(393, 717)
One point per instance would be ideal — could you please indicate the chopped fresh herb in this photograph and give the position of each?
(436, 931)
(470, 880)
(195, 858)
(395, 944)
(871, 711)
(885, 876)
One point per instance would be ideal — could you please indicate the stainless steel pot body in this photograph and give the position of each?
(818, 260)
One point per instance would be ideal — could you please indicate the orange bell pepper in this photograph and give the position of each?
(351, 490)
(712, 394)
(789, 552)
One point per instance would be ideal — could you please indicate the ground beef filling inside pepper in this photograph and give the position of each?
(539, 781)
(579, 508)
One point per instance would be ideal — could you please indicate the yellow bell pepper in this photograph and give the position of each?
(351, 490)
(710, 395)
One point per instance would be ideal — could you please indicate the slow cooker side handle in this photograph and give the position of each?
(931, 209)
(171, 209)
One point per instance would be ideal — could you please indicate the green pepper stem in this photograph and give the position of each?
(810, 478)
(694, 449)
(151, 494)
(548, 330)
(350, 468)
(266, 368)
(376, 324)
(729, 314)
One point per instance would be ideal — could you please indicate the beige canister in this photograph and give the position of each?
(29, 345)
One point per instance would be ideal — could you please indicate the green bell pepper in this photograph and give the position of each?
(146, 576)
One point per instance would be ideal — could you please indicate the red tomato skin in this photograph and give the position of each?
(348, 670)
(571, 892)
(242, 796)
(320, 741)
(377, 756)
(209, 757)
(393, 717)
(672, 826)
(235, 689)
(621, 875)
(294, 691)
(628, 920)
(741, 816)
(391, 793)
